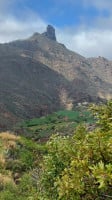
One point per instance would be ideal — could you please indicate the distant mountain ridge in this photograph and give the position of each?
(39, 75)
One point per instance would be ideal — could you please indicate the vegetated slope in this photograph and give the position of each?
(77, 166)
(18, 157)
(39, 75)
(63, 122)
(80, 167)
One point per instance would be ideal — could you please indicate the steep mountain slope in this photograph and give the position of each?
(39, 75)
(27, 88)
(80, 71)
(101, 75)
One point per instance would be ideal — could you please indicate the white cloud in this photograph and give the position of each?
(100, 4)
(87, 41)
(90, 43)
(12, 28)
(93, 40)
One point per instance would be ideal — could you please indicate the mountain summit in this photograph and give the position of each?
(50, 33)
(38, 75)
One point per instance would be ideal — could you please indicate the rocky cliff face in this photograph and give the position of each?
(38, 75)
(50, 33)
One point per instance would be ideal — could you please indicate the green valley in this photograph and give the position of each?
(74, 164)
(64, 122)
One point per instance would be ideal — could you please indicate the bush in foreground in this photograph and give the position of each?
(80, 167)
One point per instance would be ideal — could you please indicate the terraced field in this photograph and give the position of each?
(58, 122)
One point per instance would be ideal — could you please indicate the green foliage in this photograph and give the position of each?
(80, 167)
(18, 157)
(24, 191)
(104, 115)
(62, 121)
(68, 167)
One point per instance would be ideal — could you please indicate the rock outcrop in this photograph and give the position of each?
(50, 33)
(39, 75)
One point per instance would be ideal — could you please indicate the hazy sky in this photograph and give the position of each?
(84, 26)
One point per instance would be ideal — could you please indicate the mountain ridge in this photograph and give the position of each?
(40, 75)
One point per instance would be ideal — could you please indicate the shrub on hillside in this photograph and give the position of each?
(80, 167)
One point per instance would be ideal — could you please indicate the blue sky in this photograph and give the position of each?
(84, 26)
(61, 13)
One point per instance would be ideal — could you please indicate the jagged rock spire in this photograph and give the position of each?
(50, 33)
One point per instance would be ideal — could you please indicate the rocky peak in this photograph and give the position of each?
(50, 33)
